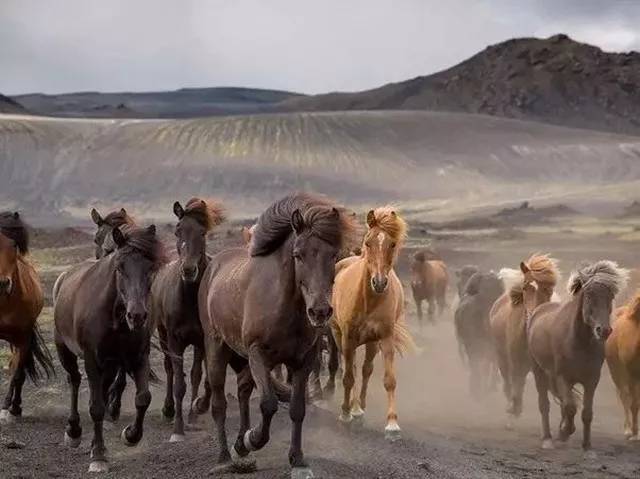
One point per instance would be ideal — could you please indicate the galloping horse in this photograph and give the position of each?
(471, 321)
(266, 306)
(103, 237)
(369, 310)
(537, 276)
(623, 357)
(174, 306)
(21, 301)
(566, 343)
(463, 275)
(100, 315)
(429, 280)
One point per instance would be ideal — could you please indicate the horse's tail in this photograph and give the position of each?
(402, 339)
(282, 390)
(56, 286)
(39, 362)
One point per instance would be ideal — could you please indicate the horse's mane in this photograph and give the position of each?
(603, 272)
(420, 257)
(543, 269)
(391, 223)
(208, 213)
(144, 241)
(319, 214)
(118, 218)
(12, 226)
(632, 310)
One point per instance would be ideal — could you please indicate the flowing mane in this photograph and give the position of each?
(143, 241)
(319, 214)
(208, 213)
(604, 272)
(391, 223)
(12, 226)
(543, 269)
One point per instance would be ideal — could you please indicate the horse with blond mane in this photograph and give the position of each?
(526, 289)
(369, 310)
(622, 351)
(21, 301)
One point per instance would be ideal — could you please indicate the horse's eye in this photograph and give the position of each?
(393, 245)
(367, 244)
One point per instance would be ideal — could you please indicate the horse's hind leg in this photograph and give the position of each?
(245, 388)
(218, 356)
(297, 411)
(169, 407)
(392, 429)
(542, 385)
(69, 361)
(635, 405)
(587, 414)
(196, 379)
(431, 313)
(11, 407)
(132, 434)
(419, 311)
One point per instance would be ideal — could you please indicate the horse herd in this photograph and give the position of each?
(295, 286)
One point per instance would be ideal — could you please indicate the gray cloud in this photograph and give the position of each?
(308, 46)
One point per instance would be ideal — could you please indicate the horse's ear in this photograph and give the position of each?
(123, 211)
(118, 238)
(297, 222)
(95, 216)
(393, 213)
(524, 268)
(16, 215)
(151, 229)
(371, 219)
(335, 212)
(178, 210)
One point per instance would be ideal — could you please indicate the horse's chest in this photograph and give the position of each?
(372, 327)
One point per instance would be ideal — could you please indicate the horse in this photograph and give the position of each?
(429, 279)
(567, 345)
(21, 301)
(265, 305)
(622, 351)
(368, 301)
(103, 237)
(463, 275)
(101, 315)
(471, 320)
(174, 306)
(507, 318)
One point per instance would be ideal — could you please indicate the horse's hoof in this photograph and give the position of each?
(345, 418)
(6, 417)
(547, 444)
(357, 420)
(635, 438)
(72, 442)
(301, 473)
(125, 440)
(168, 415)
(99, 466)
(392, 432)
(176, 438)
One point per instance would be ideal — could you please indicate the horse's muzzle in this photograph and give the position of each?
(136, 320)
(602, 332)
(379, 283)
(319, 316)
(190, 273)
(6, 286)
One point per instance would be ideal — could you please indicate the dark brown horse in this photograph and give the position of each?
(174, 306)
(429, 280)
(100, 315)
(463, 275)
(264, 307)
(567, 345)
(21, 301)
(103, 237)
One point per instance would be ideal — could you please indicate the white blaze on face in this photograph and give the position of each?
(380, 239)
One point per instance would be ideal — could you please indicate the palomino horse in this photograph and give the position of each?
(100, 315)
(174, 306)
(266, 306)
(21, 301)
(429, 279)
(566, 343)
(369, 310)
(471, 321)
(623, 357)
(103, 237)
(538, 276)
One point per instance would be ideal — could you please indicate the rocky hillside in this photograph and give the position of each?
(555, 80)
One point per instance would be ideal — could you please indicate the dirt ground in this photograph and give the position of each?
(446, 434)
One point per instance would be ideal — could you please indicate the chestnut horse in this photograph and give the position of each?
(21, 301)
(567, 342)
(369, 310)
(100, 315)
(623, 357)
(174, 306)
(507, 318)
(266, 306)
(429, 280)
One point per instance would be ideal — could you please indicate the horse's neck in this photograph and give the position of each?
(579, 329)
(24, 279)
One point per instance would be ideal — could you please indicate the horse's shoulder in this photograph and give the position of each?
(346, 262)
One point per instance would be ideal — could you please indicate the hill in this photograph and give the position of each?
(424, 161)
(554, 80)
(8, 105)
(184, 103)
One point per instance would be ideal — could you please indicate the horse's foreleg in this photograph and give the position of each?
(334, 362)
(587, 414)
(245, 388)
(196, 378)
(11, 407)
(115, 394)
(132, 434)
(569, 409)
(418, 302)
(258, 437)
(217, 359)
(169, 407)
(69, 361)
(96, 410)
(348, 380)
(542, 386)
(297, 409)
(367, 370)
(392, 429)
(176, 350)
(431, 312)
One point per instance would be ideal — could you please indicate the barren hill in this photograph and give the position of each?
(555, 80)
(8, 105)
(422, 160)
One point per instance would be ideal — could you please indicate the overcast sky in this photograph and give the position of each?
(301, 45)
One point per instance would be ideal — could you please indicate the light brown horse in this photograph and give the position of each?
(429, 281)
(369, 310)
(21, 301)
(538, 276)
(566, 344)
(623, 357)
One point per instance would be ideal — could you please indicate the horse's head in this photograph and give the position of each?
(534, 293)
(138, 256)
(314, 261)
(598, 283)
(8, 264)
(463, 276)
(103, 237)
(382, 242)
